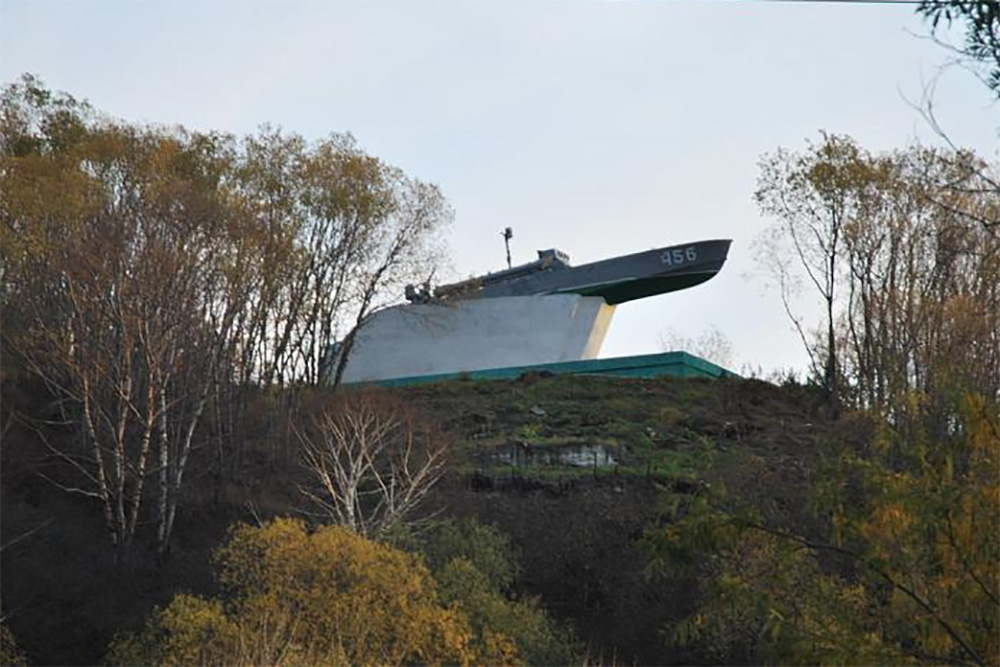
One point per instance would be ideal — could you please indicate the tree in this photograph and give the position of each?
(981, 55)
(150, 275)
(923, 275)
(908, 571)
(981, 50)
(10, 653)
(906, 273)
(399, 251)
(117, 284)
(903, 566)
(711, 345)
(487, 548)
(763, 599)
(475, 567)
(369, 464)
(345, 231)
(294, 596)
(812, 195)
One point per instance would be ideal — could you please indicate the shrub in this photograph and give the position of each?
(300, 597)
(475, 567)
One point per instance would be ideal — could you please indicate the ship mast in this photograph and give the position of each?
(507, 235)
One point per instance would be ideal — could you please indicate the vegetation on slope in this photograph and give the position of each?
(726, 495)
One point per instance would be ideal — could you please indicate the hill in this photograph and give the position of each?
(573, 469)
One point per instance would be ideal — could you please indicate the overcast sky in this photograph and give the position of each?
(600, 128)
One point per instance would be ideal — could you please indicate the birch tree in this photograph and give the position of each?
(148, 272)
(370, 466)
(117, 238)
(346, 232)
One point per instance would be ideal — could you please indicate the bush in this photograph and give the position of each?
(300, 597)
(475, 567)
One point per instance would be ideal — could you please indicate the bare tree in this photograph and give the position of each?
(712, 345)
(369, 466)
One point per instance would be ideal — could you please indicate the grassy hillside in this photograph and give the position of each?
(579, 523)
(572, 469)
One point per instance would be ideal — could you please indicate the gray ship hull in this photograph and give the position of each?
(616, 280)
(625, 278)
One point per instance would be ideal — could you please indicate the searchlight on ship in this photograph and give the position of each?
(545, 311)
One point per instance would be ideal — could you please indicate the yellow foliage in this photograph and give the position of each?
(922, 546)
(936, 530)
(766, 601)
(300, 597)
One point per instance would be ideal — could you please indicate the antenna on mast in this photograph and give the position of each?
(507, 234)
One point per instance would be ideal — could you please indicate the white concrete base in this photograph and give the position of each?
(426, 339)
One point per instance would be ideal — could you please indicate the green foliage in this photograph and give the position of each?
(300, 597)
(484, 547)
(696, 528)
(764, 598)
(982, 32)
(909, 572)
(504, 628)
(929, 518)
(670, 416)
(475, 567)
(528, 433)
(908, 240)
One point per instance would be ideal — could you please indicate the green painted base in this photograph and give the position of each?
(675, 364)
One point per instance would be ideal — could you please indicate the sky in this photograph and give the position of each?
(599, 128)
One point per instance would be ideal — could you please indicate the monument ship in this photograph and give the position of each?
(545, 311)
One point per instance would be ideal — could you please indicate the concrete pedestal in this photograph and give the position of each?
(477, 334)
